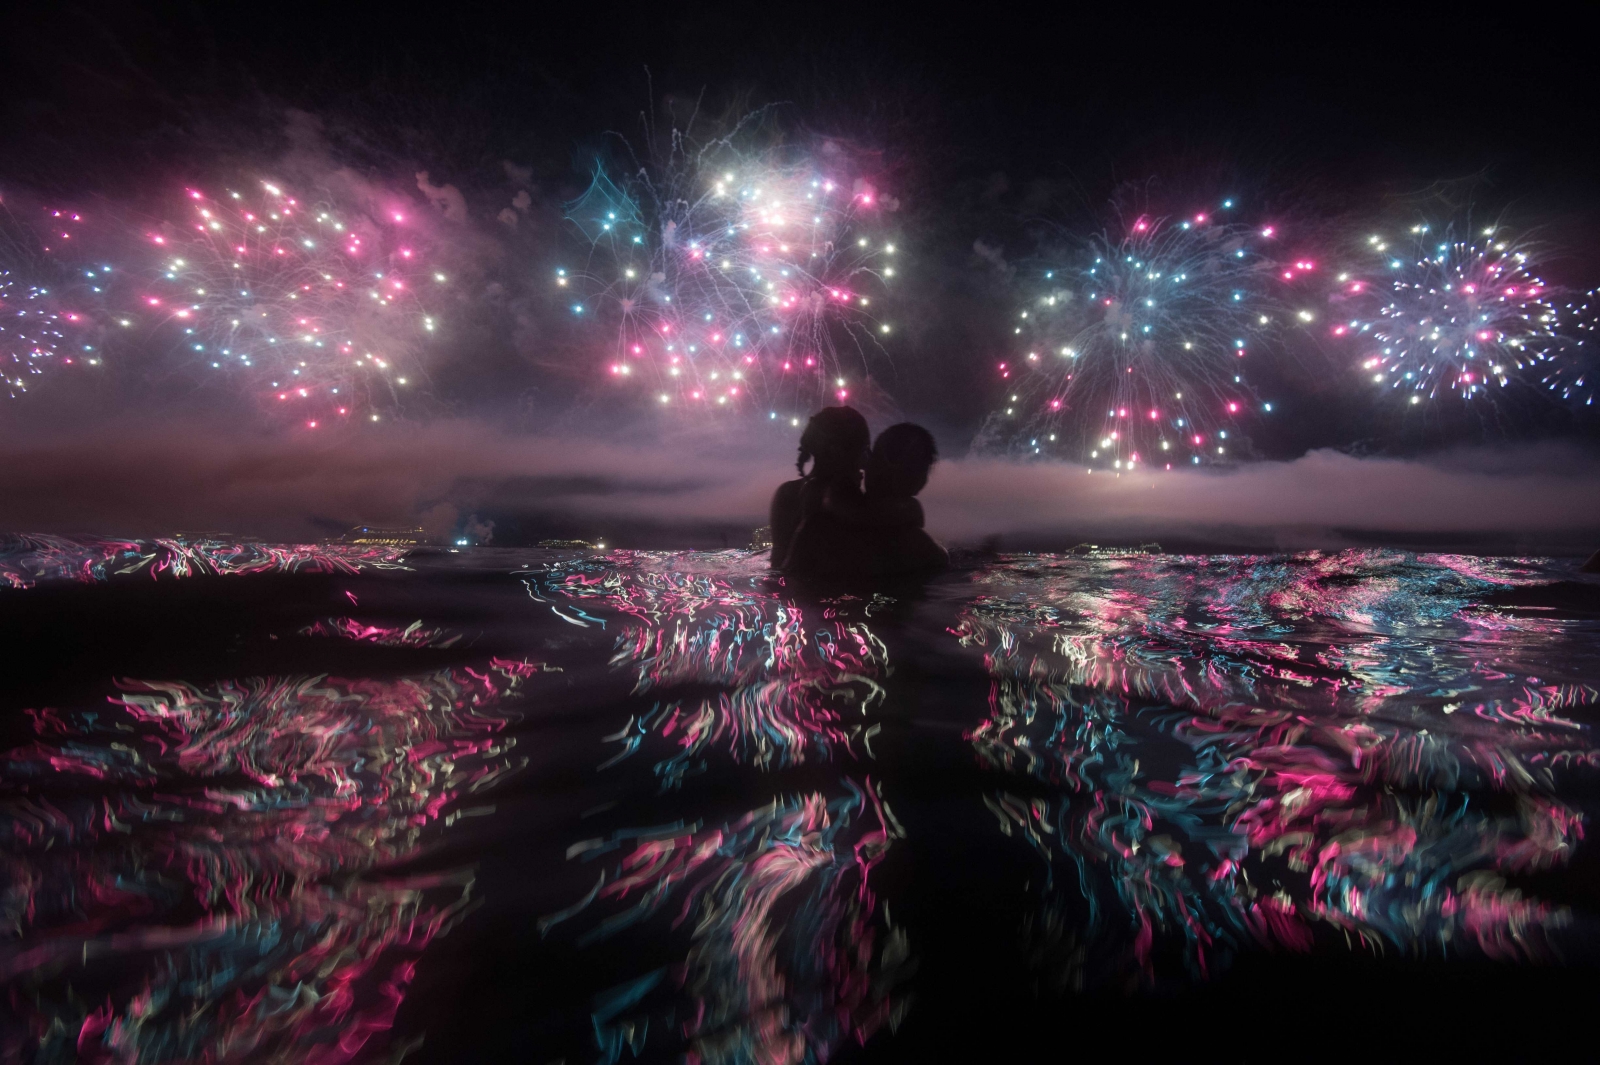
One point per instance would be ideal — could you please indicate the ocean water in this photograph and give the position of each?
(330, 804)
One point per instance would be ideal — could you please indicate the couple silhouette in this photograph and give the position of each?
(828, 524)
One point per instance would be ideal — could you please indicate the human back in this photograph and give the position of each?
(835, 443)
(898, 468)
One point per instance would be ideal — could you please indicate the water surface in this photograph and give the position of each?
(322, 804)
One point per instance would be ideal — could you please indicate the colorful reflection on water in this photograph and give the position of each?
(214, 871)
(1283, 751)
(1173, 762)
(789, 952)
(27, 560)
(774, 683)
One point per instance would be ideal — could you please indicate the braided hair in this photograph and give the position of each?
(833, 436)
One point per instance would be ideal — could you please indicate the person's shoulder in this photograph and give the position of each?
(811, 489)
(789, 490)
(898, 511)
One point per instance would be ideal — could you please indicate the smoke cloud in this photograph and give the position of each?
(447, 198)
(701, 488)
(1533, 498)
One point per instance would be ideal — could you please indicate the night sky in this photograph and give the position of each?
(989, 126)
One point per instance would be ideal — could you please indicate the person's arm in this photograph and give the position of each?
(886, 513)
(848, 505)
(914, 551)
(904, 513)
(784, 516)
(805, 540)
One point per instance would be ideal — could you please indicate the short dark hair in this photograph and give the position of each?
(907, 442)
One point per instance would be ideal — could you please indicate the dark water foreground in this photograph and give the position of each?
(321, 805)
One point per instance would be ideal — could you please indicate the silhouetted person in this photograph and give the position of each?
(897, 470)
(846, 534)
(835, 442)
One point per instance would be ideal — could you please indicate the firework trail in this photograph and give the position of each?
(1135, 349)
(1451, 312)
(323, 313)
(723, 279)
(1570, 369)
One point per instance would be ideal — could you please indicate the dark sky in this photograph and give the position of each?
(1359, 96)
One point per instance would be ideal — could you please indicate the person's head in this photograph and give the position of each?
(901, 460)
(837, 439)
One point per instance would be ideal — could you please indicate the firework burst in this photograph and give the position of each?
(723, 280)
(50, 315)
(1136, 348)
(321, 312)
(32, 333)
(1443, 313)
